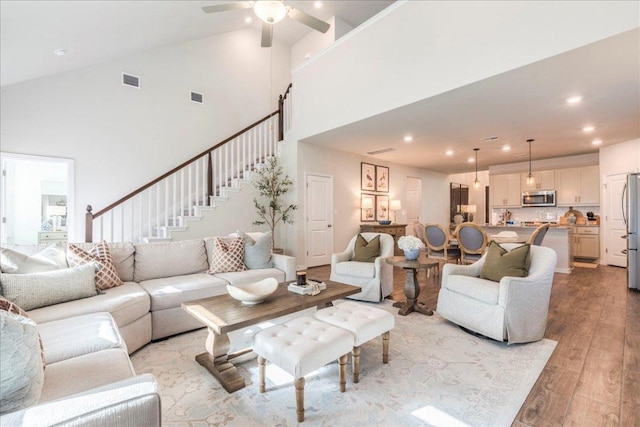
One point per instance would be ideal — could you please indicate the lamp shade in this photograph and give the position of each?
(56, 210)
(270, 11)
(468, 208)
(395, 205)
(367, 203)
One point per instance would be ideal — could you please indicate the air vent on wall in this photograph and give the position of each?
(130, 80)
(197, 97)
(490, 139)
(384, 150)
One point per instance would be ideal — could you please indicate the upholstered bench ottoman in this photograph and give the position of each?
(364, 322)
(299, 347)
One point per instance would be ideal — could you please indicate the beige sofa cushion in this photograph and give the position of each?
(122, 256)
(168, 259)
(479, 289)
(170, 292)
(66, 338)
(85, 372)
(356, 269)
(126, 304)
(50, 258)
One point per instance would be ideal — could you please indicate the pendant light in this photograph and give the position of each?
(476, 183)
(530, 178)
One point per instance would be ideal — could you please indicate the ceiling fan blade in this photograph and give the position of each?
(267, 34)
(308, 20)
(227, 6)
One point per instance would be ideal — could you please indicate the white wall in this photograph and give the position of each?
(316, 41)
(345, 169)
(414, 50)
(620, 158)
(121, 137)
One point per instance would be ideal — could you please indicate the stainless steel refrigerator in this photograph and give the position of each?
(631, 216)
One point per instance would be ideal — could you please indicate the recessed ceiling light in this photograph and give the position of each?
(471, 160)
(60, 52)
(588, 128)
(506, 148)
(248, 20)
(449, 152)
(596, 142)
(574, 99)
(317, 4)
(408, 138)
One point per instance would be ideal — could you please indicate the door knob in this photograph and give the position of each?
(329, 226)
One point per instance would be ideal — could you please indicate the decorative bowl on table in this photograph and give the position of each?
(386, 222)
(253, 293)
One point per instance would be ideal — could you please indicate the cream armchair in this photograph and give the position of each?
(514, 309)
(375, 278)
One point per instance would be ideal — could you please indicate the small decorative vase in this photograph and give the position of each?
(411, 254)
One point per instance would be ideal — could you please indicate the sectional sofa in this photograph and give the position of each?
(87, 341)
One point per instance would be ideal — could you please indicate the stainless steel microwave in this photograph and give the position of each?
(538, 198)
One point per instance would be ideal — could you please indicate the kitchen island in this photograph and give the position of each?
(557, 238)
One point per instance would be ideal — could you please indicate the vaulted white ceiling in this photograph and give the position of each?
(99, 31)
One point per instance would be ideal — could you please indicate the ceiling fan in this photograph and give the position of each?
(271, 12)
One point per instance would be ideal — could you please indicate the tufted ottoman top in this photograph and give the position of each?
(302, 345)
(363, 321)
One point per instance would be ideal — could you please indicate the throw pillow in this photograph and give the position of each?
(366, 251)
(21, 371)
(106, 275)
(50, 258)
(499, 262)
(257, 253)
(227, 256)
(35, 290)
(7, 305)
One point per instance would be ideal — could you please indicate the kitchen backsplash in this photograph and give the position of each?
(550, 214)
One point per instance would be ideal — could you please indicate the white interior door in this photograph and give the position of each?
(414, 201)
(319, 219)
(614, 226)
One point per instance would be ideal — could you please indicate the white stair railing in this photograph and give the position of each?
(168, 201)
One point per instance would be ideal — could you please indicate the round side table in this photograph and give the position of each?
(412, 286)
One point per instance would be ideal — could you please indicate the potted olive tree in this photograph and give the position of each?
(272, 184)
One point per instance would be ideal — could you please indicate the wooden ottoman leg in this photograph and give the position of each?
(385, 347)
(356, 364)
(261, 367)
(299, 384)
(343, 371)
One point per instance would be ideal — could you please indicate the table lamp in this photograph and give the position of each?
(395, 207)
(468, 211)
(57, 212)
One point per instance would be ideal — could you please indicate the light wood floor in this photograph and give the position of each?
(593, 376)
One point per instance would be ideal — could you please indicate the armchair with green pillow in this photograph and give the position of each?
(504, 295)
(363, 264)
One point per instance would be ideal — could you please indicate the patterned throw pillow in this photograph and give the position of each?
(106, 276)
(227, 256)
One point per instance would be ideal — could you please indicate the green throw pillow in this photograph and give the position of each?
(500, 263)
(366, 252)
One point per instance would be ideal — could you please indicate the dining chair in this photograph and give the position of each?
(538, 235)
(438, 245)
(472, 241)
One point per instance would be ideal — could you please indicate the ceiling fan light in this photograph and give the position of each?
(270, 11)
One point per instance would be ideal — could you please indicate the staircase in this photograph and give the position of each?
(179, 199)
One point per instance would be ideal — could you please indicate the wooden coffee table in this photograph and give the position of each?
(411, 285)
(223, 314)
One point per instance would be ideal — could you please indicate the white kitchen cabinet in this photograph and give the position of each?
(544, 180)
(586, 242)
(578, 186)
(505, 191)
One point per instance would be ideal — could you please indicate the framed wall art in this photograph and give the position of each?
(382, 179)
(367, 207)
(367, 177)
(382, 208)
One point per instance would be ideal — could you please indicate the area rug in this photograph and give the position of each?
(437, 375)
